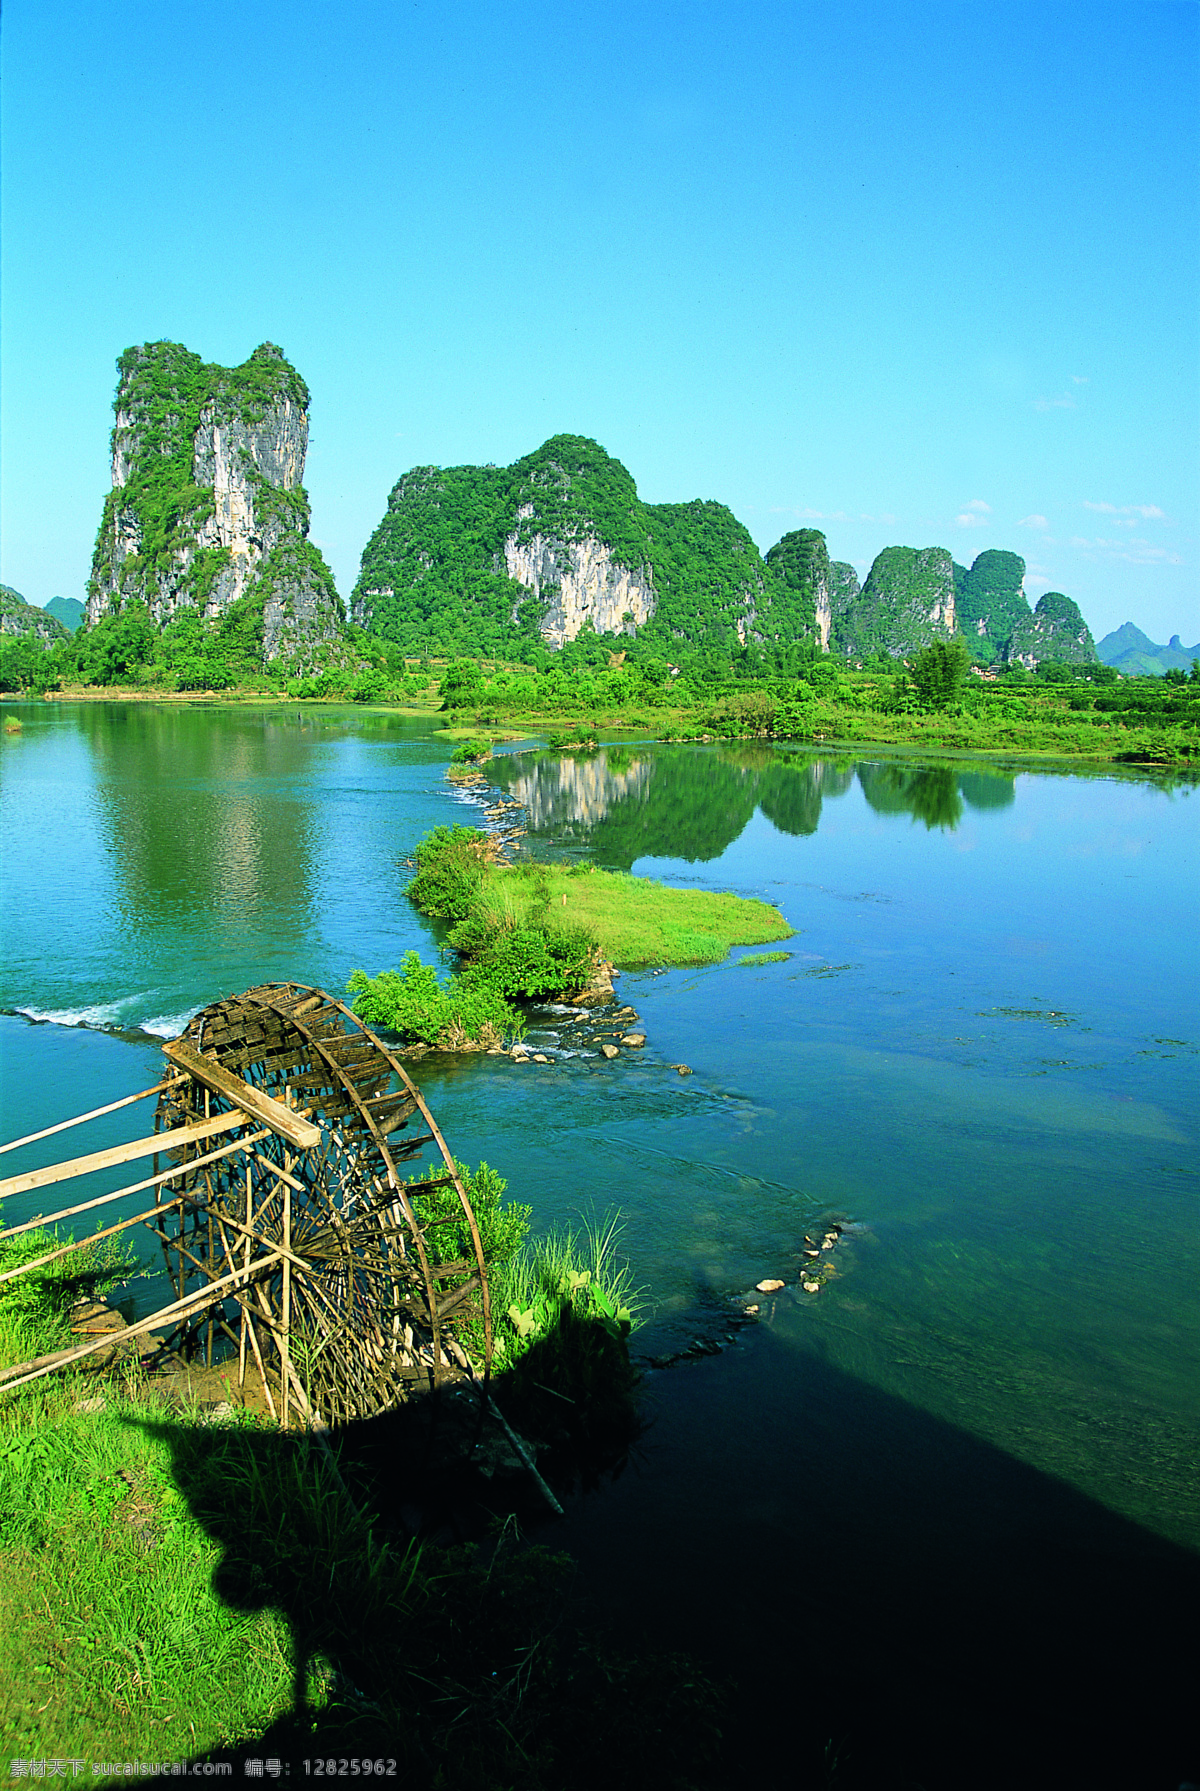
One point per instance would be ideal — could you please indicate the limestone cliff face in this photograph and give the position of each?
(578, 581)
(906, 603)
(207, 464)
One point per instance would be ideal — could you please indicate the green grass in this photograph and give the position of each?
(579, 1270)
(637, 921)
(171, 1589)
(766, 957)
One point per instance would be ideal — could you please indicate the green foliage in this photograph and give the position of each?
(25, 619)
(25, 665)
(35, 1307)
(938, 672)
(565, 1272)
(503, 1228)
(991, 603)
(1055, 631)
(764, 957)
(902, 606)
(524, 962)
(471, 752)
(462, 685)
(415, 1002)
(449, 872)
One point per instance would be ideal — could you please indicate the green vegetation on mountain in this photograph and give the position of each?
(906, 603)
(801, 562)
(19, 618)
(1055, 631)
(67, 610)
(437, 573)
(207, 464)
(991, 603)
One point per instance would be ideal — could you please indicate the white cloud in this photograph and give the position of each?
(1131, 548)
(1033, 521)
(1038, 578)
(1148, 512)
(1066, 402)
(970, 519)
(978, 504)
(1079, 379)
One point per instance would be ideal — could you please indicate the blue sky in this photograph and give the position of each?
(908, 274)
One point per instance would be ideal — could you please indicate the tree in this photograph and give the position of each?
(462, 687)
(938, 672)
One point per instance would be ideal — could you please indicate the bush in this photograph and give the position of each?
(526, 961)
(414, 1002)
(449, 872)
(938, 672)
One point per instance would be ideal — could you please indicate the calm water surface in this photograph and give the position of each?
(982, 1049)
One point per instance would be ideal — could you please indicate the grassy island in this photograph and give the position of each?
(529, 931)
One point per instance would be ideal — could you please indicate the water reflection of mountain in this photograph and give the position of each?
(620, 804)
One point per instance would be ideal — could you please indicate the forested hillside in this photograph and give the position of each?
(506, 560)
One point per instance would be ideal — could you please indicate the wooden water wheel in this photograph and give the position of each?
(288, 1227)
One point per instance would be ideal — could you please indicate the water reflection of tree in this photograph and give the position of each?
(679, 802)
(929, 793)
(982, 789)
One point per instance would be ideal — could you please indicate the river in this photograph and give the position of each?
(980, 1055)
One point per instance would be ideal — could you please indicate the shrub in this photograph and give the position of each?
(449, 872)
(414, 1002)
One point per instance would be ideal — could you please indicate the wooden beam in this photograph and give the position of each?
(122, 1153)
(300, 1132)
(46, 1220)
(64, 1125)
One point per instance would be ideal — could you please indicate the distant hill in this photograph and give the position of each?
(913, 596)
(67, 610)
(1135, 655)
(19, 617)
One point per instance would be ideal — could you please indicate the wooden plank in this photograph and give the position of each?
(122, 1153)
(64, 1125)
(300, 1132)
(46, 1220)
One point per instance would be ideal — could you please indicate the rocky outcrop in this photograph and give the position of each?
(207, 464)
(18, 617)
(578, 582)
(1055, 631)
(906, 603)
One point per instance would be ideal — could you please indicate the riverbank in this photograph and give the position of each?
(1141, 722)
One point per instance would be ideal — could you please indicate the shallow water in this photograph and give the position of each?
(982, 1050)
